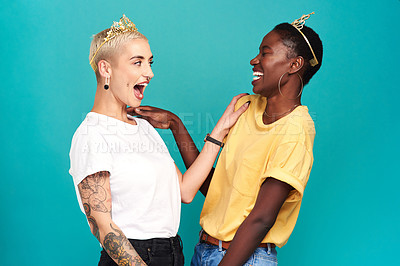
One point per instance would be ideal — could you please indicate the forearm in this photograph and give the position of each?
(96, 199)
(117, 245)
(206, 184)
(111, 237)
(247, 238)
(188, 149)
(255, 227)
(195, 176)
(184, 141)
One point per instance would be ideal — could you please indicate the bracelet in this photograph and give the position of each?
(212, 140)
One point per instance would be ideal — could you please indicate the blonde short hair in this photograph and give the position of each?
(108, 50)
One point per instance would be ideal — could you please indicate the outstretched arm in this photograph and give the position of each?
(164, 119)
(187, 148)
(195, 176)
(252, 231)
(96, 199)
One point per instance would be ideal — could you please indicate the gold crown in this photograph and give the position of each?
(298, 24)
(124, 25)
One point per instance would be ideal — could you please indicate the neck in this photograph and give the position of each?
(279, 105)
(105, 103)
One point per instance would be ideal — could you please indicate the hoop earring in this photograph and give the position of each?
(301, 90)
(106, 85)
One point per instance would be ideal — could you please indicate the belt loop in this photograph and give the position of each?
(269, 248)
(219, 245)
(201, 234)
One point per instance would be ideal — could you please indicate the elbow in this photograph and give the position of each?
(265, 222)
(187, 201)
(186, 198)
(98, 227)
(187, 194)
(95, 231)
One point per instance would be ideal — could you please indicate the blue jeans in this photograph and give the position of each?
(210, 255)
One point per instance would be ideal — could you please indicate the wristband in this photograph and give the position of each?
(212, 140)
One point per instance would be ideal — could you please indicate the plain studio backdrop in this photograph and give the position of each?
(202, 49)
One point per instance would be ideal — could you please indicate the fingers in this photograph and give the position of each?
(241, 95)
(241, 110)
(151, 121)
(140, 110)
(143, 109)
(237, 97)
(146, 108)
(151, 111)
(131, 111)
(147, 119)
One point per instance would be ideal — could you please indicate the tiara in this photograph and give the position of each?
(117, 28)
(298, 24)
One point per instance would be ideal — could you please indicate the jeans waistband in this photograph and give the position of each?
(172, 242)
(206, 238)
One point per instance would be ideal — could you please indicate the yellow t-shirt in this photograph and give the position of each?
(253, 152)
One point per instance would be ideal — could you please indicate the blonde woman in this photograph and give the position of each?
(126, 181)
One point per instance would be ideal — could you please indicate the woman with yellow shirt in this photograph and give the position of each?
(254, 197)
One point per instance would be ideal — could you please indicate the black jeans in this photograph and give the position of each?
(155, 251)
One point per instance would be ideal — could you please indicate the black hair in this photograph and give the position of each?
(298, 46)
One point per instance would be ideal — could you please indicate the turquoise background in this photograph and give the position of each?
(202, 51)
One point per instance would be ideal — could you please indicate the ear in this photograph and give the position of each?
(297, 63)
(104, 68)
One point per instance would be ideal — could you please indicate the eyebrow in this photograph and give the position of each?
(266, 46)
(139, 57)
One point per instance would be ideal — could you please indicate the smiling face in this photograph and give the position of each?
(131, 72)
(269, 65)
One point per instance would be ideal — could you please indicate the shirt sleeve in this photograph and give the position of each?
(291, 163)
(89, 154)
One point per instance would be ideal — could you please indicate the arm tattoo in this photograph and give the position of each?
(93, 196)
(117, 247)
(91, 189)
(92, 221)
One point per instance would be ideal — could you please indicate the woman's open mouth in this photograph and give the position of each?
(257, 75)
(138, 90)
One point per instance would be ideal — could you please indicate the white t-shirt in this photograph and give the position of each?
(146, 201)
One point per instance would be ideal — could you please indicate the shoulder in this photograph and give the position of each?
(300, 126)
(252, 98)
(91, 129)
